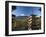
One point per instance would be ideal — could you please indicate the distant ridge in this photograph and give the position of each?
(22, 17)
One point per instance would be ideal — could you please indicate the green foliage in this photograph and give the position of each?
(36, 22)
(19, 23)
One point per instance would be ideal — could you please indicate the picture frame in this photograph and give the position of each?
(10, 6)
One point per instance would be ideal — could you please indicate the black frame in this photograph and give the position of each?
(7, 18)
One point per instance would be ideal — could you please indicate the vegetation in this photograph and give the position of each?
(36, 22)
(23, 24)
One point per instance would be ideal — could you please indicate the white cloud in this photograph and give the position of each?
(13, 12)
(22, 14)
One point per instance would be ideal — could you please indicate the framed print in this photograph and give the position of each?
(24, 18)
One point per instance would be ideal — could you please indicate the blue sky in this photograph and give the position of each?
(26, 11)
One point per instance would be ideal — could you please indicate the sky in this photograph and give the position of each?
(25, 10)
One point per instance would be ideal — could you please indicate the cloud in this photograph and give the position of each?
(21, 14)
